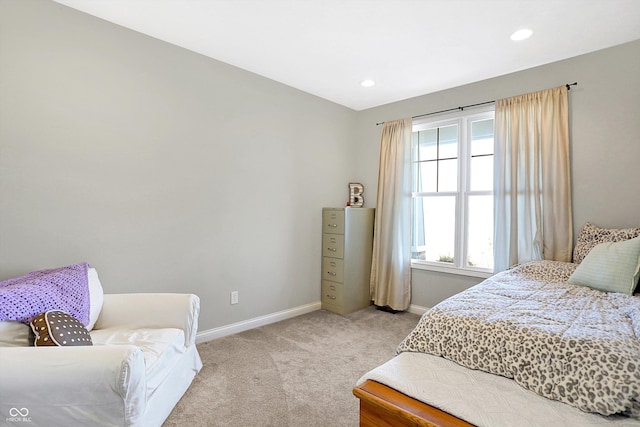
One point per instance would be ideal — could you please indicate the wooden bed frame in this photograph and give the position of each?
(382, 406)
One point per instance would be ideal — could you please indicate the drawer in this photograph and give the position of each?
(333, 245)
(332, 293)
(332, 269)
(333, 221)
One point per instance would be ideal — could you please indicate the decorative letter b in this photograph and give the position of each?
(356, 199)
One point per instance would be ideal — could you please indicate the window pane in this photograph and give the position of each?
(481, 178)
(414, 147)
(434, 228)
(448, 142)
(448, 175)
(414, 162)
(428, 142)
(480, 238)
(482, 137)
(481, 173)
(425, 174)
(417, 227)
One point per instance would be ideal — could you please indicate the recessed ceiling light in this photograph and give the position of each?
(522, 34)
(367, 83)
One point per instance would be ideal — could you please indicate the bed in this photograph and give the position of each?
(543, 343)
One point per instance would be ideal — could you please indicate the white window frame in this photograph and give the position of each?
(462, 119)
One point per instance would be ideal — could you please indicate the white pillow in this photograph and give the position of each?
(96, 297)
(610, 267)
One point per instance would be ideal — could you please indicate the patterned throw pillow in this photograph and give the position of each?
(592, 235)
(57, 328)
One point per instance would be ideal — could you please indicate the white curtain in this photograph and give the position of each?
(391, 263)
(532, 189)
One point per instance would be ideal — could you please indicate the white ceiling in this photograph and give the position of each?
(409, 47)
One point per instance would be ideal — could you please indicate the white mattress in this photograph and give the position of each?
(480, 398)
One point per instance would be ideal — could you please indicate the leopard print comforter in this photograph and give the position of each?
(568, 343)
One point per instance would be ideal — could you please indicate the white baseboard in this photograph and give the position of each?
(417, 309)
(245, 325)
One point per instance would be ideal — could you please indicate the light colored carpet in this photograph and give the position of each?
(298, 372)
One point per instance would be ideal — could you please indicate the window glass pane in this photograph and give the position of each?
(480, 238)
(417, 227)
(428, 140)
(481, 129)
(414, 147)
(434, 228)
(415, 172)
(448, 142)
(482, 137)
(448, 175)
(481, 173)
(425, 174)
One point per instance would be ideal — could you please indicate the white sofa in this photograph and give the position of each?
(142, 361)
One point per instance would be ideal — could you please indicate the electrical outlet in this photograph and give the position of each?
(234, 297)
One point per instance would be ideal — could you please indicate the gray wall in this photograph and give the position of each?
(166, 170)
(604, 127)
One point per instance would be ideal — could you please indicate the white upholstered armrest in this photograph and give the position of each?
(101, 380)
(161, 310)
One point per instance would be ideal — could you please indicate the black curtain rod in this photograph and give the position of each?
(568, 85)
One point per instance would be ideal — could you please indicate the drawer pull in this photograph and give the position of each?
(333, 288)
(331, 249)
(331, 273)
(331, 296)
(332, 225)
(332, 263)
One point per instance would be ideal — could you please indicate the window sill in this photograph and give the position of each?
(421, 265)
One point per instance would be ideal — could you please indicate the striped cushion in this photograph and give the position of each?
(610, 267)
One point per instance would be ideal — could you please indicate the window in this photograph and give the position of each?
(452, 195)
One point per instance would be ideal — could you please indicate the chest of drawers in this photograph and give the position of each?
(347, 242)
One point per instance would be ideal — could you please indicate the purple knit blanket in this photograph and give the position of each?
(64, 288)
